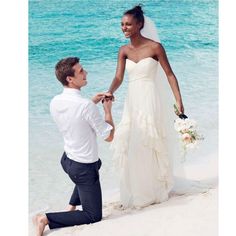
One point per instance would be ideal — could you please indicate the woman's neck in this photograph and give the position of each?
(136, 40)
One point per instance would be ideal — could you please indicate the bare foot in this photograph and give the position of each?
(71, 208)
(40, 222)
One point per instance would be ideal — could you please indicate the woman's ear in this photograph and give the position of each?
(140, 25)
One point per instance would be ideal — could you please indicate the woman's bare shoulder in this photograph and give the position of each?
(157, 47)
(154, 44)
(124, 49)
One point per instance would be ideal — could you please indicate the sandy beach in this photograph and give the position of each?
(91, 31)
(192, 210)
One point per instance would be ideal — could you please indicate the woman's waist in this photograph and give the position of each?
(141, 78)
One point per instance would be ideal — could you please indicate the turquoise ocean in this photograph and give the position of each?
(91, 30)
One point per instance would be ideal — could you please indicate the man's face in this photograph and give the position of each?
(79, 78)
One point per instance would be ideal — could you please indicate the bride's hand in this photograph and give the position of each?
(180, 107)
(110, 95)
(100, 96)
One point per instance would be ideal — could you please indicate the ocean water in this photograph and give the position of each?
(91, 30)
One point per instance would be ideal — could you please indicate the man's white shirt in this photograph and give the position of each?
(80, 122)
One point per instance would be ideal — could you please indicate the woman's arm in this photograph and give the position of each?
(120, 69)
(162, 57)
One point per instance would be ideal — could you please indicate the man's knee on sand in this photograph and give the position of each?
(96, 217)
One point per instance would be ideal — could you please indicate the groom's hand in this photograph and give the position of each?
(100, 97)
(109, 96)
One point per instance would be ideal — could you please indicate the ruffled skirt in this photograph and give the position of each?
(140, 146)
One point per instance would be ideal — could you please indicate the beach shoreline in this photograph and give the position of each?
(190, 211)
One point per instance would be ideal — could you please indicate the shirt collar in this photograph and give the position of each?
(71, 91)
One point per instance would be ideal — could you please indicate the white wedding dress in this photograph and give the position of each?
(140, 142)
(145, 142)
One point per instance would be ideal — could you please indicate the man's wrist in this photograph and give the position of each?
(108, 118)
(107, 112)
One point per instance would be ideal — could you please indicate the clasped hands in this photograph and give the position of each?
(104, 97)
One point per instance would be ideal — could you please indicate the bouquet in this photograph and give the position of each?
(187, 129)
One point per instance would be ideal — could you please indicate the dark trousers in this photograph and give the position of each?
(87, 192)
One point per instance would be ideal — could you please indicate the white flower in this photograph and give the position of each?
(187, 129)
(186, 137)
(184, 125)
(189, 123)
(179, 124)
(191, 145)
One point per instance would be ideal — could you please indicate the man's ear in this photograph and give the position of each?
(68, 79)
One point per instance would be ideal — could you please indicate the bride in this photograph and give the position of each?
(142, 141)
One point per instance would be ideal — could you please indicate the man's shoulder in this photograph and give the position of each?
(55, 98)
(66, 97)
(75, 101)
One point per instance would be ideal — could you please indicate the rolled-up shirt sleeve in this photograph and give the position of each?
(95, 120)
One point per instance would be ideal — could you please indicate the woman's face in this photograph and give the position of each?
(130, 26)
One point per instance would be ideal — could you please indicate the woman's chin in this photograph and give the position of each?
(127, 35)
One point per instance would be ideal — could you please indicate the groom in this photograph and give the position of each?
(79, 121)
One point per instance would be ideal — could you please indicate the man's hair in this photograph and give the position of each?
(64, 68)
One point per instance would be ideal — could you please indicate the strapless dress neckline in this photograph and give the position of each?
(146, 58)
